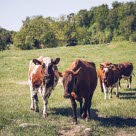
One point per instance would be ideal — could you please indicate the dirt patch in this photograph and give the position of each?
(75, 130)
(22, 82)
(124, 133)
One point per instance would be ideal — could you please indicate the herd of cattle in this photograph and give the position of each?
(79, 81)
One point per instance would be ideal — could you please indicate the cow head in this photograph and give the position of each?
(107, 70)
(69, 81)
(48, 65)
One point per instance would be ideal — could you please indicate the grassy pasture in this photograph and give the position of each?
(116, 116)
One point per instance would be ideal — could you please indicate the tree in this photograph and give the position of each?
(5, 38)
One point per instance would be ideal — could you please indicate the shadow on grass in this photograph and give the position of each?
(114, 121)
(128, 94)
(103, 119)
(64, 111)
(133, 89)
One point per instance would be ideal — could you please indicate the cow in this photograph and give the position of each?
(79, 83)
(126, 70)
(110, 79)
(100, 73)
(42, 77)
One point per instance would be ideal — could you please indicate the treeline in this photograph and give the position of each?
(5, 38)
(95, 26)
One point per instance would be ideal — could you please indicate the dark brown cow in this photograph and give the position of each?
(100, 73)
(110, 79)
(42, 77)
(79, 83)
(126, 70)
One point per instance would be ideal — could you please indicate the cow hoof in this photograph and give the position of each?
(32, 109)
(110, 97)
(74, 123)
(44, 115)
(37, 110)
(84, 116)
(87, 119)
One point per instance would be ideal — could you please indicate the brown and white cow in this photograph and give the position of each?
(100, 73)
(126, 70)
(110, 79)
(79, 83)
(42, 78)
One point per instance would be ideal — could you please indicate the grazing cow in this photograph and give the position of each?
(126, 70)
(79, 83)
(111, 78)
(100, 73)
(42, 78)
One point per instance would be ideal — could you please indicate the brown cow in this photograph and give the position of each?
(126, 70)
(110, 79)
(79, 83)
(42, 77)
(100, 73)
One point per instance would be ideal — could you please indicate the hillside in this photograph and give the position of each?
(116, 116)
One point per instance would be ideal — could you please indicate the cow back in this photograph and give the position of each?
(126, 68)
(87, 77)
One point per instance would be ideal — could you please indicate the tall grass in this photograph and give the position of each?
(114, 116)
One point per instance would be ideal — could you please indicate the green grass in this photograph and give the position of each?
(116, 116)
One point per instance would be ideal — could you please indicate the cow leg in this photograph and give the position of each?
(81, 108)
(105, 90)
(45, 107)
(32, 98)
(85, 109)
(36, 102)
(110, 91)
(119, 85)
(74, 105)
(130, 81)
(101, 84)
(89, 107)
(127, 83)
(117, 94)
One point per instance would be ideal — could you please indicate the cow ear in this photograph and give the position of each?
(101, 66)
(56, 61)
(77, 71)
(37, 62)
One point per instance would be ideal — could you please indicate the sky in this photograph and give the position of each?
(13, 12)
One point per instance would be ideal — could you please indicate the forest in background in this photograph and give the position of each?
(99, 25)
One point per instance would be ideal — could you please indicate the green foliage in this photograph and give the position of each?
(2, 45)
(5, 38)
(96, 26)
(132, 37)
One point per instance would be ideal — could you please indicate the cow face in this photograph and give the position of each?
(106, 73)
(47, 65)
(69, 82)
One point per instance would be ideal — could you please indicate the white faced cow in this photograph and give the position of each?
(110, 78)
(42, 78)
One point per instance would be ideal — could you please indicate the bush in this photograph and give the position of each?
(132, 37)
(119, 38)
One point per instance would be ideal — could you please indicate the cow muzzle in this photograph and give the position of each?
(105, 80)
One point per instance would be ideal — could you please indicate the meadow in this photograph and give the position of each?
(111, 117)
